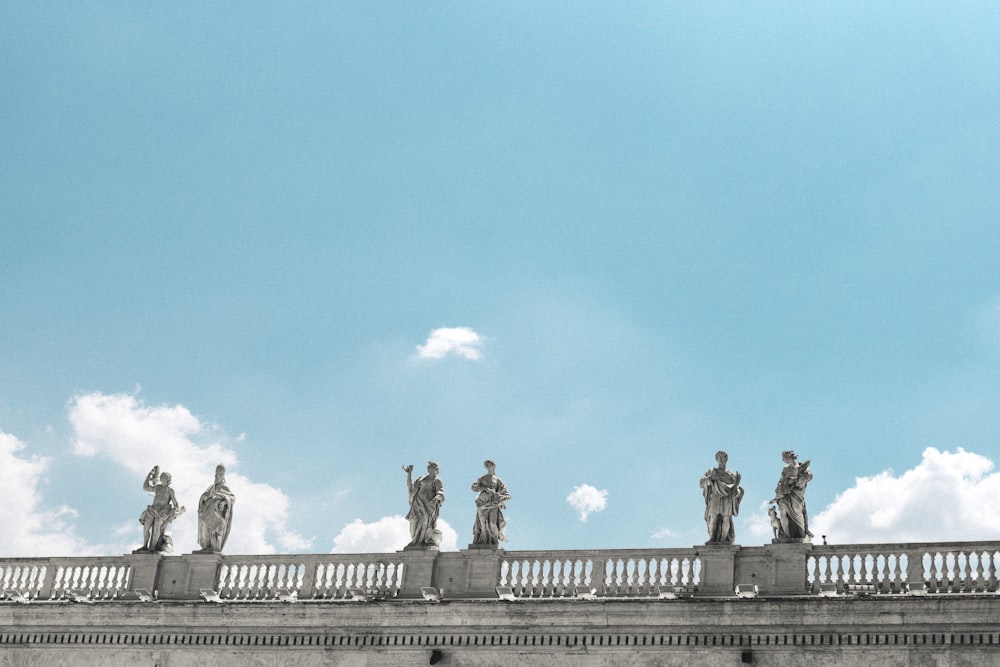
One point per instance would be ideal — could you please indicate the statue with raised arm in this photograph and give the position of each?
(790, 497)
(426, 497)
(723, 494)
(156, 517)
(215, 514)
(490, 503)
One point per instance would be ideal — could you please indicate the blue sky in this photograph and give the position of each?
(668, 229)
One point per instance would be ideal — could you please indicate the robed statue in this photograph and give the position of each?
(723, 494)
(790, 497)
(426, 497)
(490, 503)
(215, 514)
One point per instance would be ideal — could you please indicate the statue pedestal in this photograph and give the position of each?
(790, 567)
(474, 572)
(718, 566)
(144, 569)
(418, 570)
(184, 578)
(776, 569)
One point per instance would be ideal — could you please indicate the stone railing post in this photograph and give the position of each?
(915, 567)
(184, 577)
(718, 569)
(473, 573)
(789, 568)
(144, 570)
(418, 570)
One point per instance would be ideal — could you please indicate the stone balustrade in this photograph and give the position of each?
(774, 570)
(103, 578)
(309, 577)
(956, 567)
(602, 573)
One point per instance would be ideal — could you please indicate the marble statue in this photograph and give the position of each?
(215, 514)
(723, 494)
(489, 525)
(790, 497)
(426, 497)
(158, 516)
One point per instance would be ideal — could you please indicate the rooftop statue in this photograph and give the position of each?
(488, 529)
(426, 497)
(790, 497)
(157, 516)
(215, 514)
(723, 494)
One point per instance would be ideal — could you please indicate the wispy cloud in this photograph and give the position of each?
(460, 341)
(386, 535)
(27, 526)
(119, 427)
(663, 533)
(587, 499)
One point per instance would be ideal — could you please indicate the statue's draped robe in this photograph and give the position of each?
(489, 525)
(722, 502)
(425, 504)
(791, 496)
(215, 516)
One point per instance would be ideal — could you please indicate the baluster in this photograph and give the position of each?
(556, 579)
(524, 568)
(321, 584)
(883, 582)
(222, 585)
(851, 570)
(993, 556)
(593, 578)
(951, 572)
(545, 578)
(655, 574)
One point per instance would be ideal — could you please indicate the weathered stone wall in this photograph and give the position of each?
(932, 630)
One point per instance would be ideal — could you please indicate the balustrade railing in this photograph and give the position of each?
(873, 569)
(309, 577)
(956, 567)
(602, 573)
(99, 578)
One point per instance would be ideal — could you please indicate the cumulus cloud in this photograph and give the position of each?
(387, 535)
(27, 526)
(121, 428)
(586, 499)
(461, 341)
(948, 496)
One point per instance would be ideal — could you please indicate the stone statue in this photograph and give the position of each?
(426, 497)
(488, 529)
(157, 516)
(723, 495)
(215, 514)
(790, 497)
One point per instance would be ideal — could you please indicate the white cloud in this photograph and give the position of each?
(387, 535)
(121, 428)
(663, 533)
(462, 341)
(586, 499)
(949, 496)
(27, 527)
